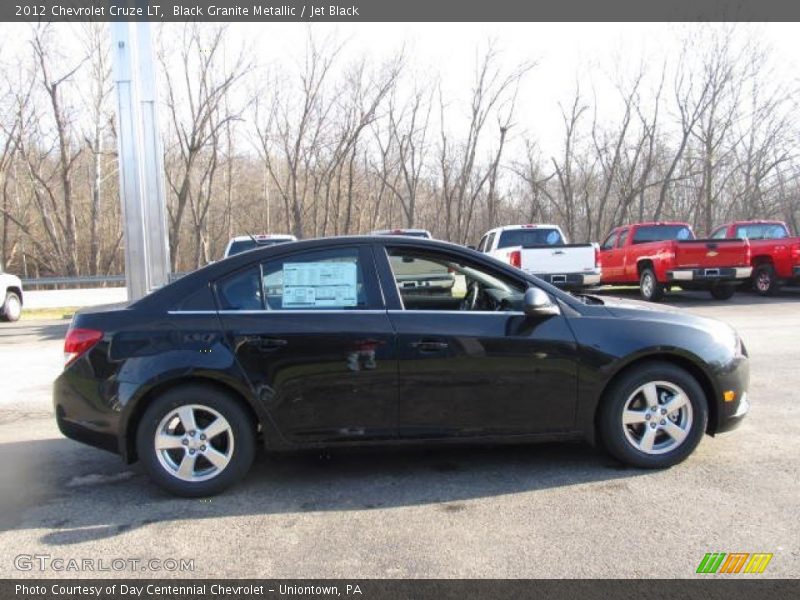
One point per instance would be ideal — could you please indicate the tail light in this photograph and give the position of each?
(515, 259)
(748, 255)
(78, 342)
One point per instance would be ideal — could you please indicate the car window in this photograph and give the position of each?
(719, 234)
(762, 231)
(332, 279)
(623, 237)
(490, 241)
(435, 281)
(529, 238)
(241, 291)
(659, 233)
(610, 242)
(482, 244)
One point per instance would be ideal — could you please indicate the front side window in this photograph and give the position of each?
(434, 281)
(623, 237)
(610, 242)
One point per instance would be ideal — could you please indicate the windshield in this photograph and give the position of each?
(530, 238)
(658, 233)
(762, 231)
(245, 245)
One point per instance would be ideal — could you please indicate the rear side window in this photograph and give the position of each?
(336, 279)
(529, 238)
(658, 233)
(719, 234)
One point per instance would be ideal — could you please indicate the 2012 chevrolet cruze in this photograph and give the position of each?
(377, 340)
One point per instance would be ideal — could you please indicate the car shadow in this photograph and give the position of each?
(78, 494)
(34, 330)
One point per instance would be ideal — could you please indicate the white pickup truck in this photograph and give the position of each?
(542, 250)
(11, 290)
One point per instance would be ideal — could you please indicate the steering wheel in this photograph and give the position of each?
(470, 301)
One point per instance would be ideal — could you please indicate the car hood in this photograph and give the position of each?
(647, 311)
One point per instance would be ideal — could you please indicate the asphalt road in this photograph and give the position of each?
(537, 511)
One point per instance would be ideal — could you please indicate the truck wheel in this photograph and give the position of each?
(764, 281)
(649, 287)
(722, 291)
(12, 307)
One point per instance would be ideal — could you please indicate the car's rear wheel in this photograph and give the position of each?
(12, 307)
(653, 416)
(764, 281)
(196, 441)
(649, 286)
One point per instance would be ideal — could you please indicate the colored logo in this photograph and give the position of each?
(734, 562)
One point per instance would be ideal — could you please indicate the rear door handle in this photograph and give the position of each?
(429, 345)
(265, 343)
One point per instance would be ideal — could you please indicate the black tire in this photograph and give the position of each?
(649, 286)
(241, 428)
(722, 291)
(12, 307)
(614, 435)
(765, 282)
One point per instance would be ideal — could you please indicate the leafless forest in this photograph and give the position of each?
(333, 145)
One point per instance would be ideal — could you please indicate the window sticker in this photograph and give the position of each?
(320, 285)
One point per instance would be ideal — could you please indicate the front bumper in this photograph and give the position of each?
(734, 379)
(710, 274)
(570, 280)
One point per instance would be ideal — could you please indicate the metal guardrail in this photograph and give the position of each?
(82, 280)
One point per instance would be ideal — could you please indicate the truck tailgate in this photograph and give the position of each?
(569, 258)
(712, 253)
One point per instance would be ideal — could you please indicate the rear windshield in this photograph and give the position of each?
(245, 245)
(762, 231)
(529, 238)
(657, 233)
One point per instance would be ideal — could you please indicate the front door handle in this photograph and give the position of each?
(429, 345)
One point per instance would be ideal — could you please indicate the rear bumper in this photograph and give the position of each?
(710, 274)
(570, 280)
(81, 415)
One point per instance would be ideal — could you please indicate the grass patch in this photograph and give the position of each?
(38, 314)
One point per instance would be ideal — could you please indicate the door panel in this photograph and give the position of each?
(483, 373)
(323, 376)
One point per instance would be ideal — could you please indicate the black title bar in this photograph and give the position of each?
(400, 10)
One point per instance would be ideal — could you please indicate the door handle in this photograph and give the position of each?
(429, 345)
(558, 252)
(264, 343)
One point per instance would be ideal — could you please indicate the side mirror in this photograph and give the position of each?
(538, 304)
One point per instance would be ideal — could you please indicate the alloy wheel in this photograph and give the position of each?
(194, 443)
(657, 417)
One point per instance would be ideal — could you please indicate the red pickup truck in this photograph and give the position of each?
(775, 255)
(659, 255)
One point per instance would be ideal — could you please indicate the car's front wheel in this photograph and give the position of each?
(196, 441)
(12, 307)
(653, 416)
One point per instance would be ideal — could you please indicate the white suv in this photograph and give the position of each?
(243, 243)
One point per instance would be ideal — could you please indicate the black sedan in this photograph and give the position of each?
(386, 340)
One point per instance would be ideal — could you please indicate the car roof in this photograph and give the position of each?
(190, 282)
(261, 236)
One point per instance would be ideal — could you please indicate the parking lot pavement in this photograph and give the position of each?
(534, 511)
